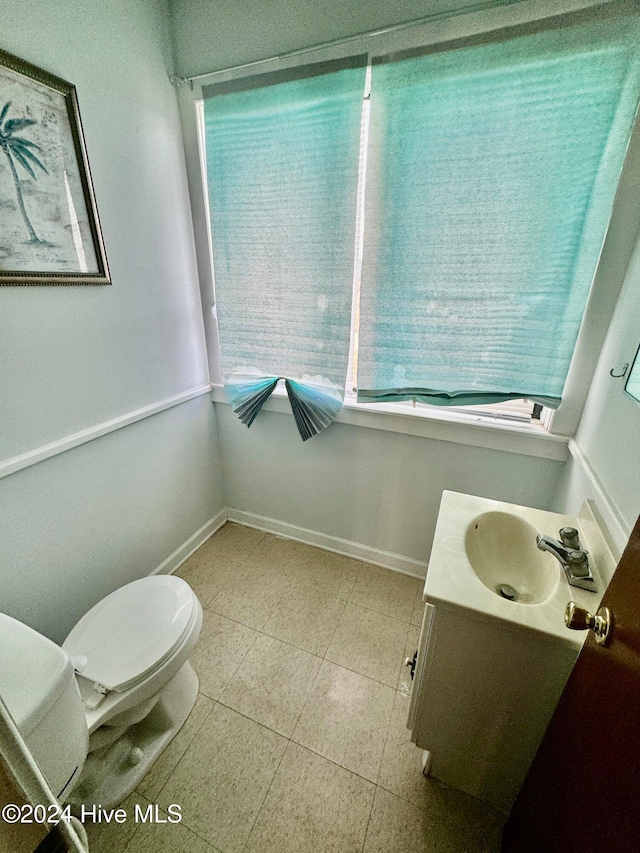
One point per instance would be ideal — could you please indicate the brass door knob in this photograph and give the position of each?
(580, 619)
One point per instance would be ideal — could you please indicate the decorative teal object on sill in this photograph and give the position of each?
(247, 398)
(314, 405)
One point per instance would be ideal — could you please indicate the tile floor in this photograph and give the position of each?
(297, 742)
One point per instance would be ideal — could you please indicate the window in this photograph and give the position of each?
(486, 181)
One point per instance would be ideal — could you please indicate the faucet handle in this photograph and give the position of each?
(570, 537)
(578, 561)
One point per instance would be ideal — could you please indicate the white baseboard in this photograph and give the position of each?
(182, 553)
(395, 562)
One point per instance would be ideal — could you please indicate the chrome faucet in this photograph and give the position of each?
(572, 557)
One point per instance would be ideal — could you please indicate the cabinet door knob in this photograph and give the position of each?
(412, 663)
(580, 619)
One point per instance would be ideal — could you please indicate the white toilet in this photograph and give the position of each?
(96, 712)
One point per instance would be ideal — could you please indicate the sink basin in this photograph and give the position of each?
(480, 544)
(502, 550)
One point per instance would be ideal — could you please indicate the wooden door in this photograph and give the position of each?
(582, 792)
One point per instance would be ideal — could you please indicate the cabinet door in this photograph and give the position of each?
(419, 676)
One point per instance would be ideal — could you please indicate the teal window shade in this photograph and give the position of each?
(491, 175)
(282, 165)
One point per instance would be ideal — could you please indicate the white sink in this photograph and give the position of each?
(480, 544)
(502, 550)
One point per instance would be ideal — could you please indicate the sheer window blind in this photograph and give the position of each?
(490, 180)
(282, 166)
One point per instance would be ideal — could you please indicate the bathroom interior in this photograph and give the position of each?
(122, 459)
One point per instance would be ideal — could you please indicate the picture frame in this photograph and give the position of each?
(49, 228)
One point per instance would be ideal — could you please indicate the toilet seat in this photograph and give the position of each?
(132, 631)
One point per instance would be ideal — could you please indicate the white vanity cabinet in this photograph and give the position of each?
(483, 694)
(490, 670)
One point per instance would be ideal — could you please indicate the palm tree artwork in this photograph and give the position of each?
(22, 151)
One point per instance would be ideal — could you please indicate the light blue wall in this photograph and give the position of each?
(213, 35)
(609, 434)
(81, 524)
(73, 357)
(372, 487)
(78, 525)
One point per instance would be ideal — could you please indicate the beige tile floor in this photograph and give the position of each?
(297, 742)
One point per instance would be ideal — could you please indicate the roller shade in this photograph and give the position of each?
(491, 175)
(282, 165)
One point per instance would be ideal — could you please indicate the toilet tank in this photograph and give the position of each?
(38, 686)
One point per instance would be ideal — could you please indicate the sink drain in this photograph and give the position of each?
(507, 592)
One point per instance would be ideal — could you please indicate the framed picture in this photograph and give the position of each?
(49, 229)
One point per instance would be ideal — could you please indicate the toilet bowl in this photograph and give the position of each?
(97, 712)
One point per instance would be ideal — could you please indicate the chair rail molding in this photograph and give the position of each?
(68, 442)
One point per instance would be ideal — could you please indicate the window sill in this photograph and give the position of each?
(526, 439)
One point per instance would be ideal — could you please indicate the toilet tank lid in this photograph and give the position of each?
(33, 671)
(126, 635)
